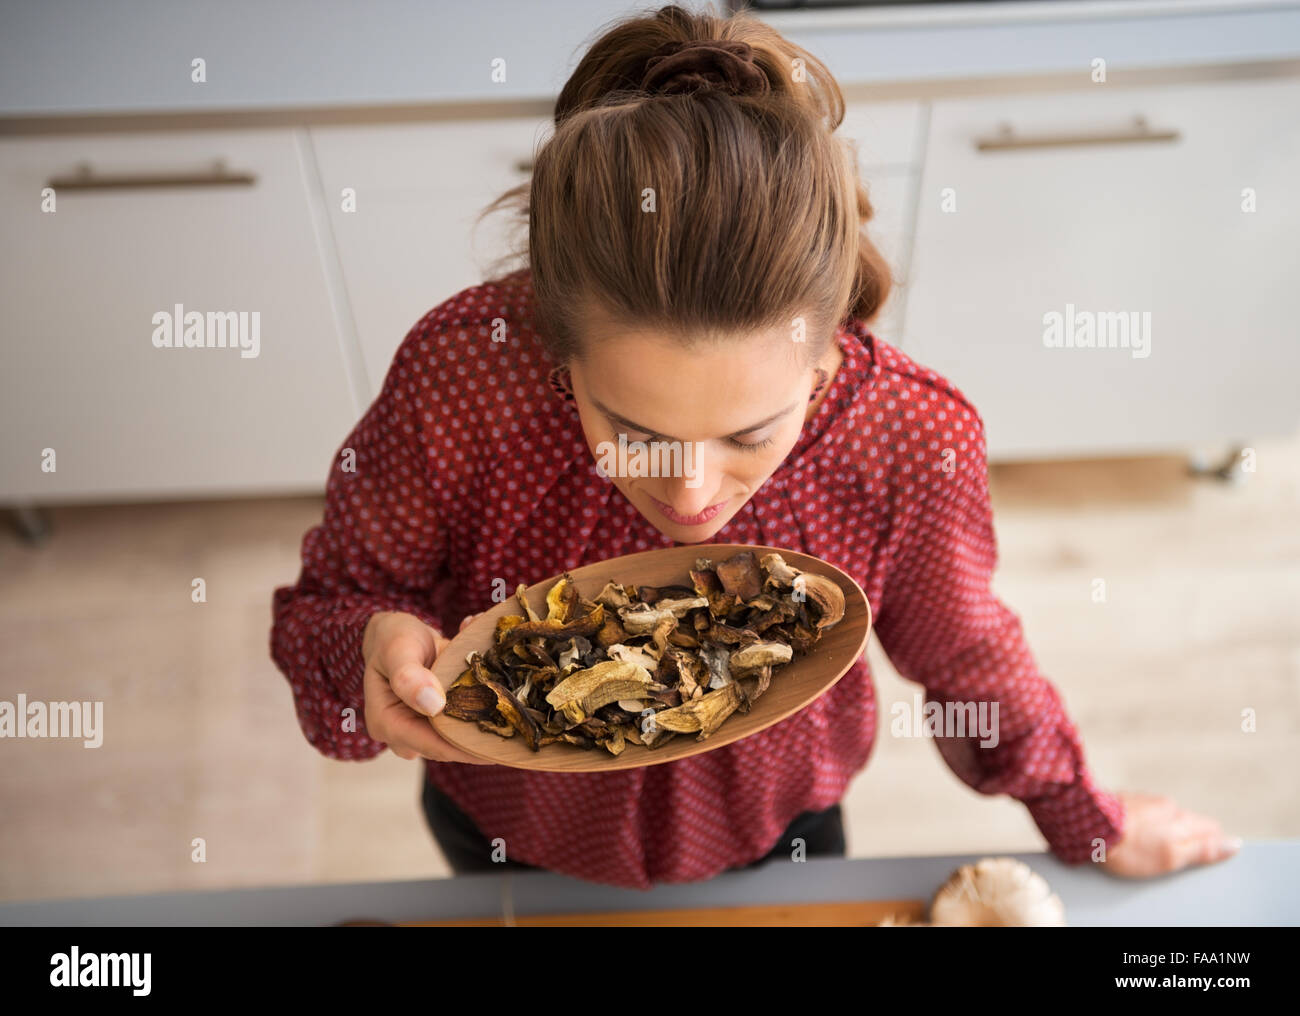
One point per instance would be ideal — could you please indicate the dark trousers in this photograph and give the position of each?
(468, 850)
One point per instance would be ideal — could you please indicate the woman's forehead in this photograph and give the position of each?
(703, 392)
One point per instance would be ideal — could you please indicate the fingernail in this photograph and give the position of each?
(429, 700)
(1233, 843)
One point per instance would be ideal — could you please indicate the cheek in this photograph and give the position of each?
(751, 469)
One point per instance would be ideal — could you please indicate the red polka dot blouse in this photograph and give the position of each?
(471, 466)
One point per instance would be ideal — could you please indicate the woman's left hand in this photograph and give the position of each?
(1160, 837)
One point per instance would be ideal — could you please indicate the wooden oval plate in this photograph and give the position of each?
(794, 685)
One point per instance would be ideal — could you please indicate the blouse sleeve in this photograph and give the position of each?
(942, 626)
(379, 547)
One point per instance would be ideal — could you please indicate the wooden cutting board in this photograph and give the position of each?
(853, 914)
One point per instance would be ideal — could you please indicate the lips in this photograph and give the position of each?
(689, 520)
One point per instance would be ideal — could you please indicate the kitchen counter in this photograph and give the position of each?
(1257, 887)
(80, 57)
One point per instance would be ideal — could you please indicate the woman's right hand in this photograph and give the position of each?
(401, 691)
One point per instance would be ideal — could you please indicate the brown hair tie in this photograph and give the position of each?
(678, 67)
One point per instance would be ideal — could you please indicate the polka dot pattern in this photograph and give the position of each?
(472, 473)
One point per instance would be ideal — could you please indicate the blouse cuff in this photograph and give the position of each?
(341, 639)
(1075, 819)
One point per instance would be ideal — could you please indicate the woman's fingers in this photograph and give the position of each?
(1161, 837)
(415, 685)
(406, 731)
(1202, 848)
(401, 713)
(403, 695)
(411, 732)
(1198, 839)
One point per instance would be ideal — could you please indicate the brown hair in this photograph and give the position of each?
(758, 210)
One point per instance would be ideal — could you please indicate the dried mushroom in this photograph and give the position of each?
(640, 664)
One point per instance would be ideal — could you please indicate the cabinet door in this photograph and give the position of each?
(888, 136)
(402, 201)
(1153, 228)
(81, 286)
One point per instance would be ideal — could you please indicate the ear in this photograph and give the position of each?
(562, 384)
(823, 377)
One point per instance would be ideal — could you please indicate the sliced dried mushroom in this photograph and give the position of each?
(751, 686)
(779, 574)
(521, 596)
(506, 623)
(552, 630)
(759, 655)
(704, 714)
(515, 714)
(572, 654)
(740, 575)
(680, 605)
(614, 596)
(470, 702)
(634, 654)
(718, 661)
(584, 691)
(643, 620)
(562, 600)
(828, 597)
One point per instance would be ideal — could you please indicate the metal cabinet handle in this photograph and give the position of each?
(1007, 139)
(85, 178)
(523, 165)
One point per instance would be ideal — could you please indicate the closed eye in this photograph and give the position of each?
(749, 447)
(743, 445)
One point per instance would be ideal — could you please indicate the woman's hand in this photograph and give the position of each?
(401, 691)
(1160, 837)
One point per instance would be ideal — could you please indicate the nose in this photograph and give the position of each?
(691, 495)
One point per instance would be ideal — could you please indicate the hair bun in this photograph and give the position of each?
(678, 67)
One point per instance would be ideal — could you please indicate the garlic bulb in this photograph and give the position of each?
(997, 892)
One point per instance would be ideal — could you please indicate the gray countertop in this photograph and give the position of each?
(70, 57)
(1257, 887)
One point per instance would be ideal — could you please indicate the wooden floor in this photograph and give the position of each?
(1201, 621)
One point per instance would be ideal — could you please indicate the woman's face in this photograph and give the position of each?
(733, 410)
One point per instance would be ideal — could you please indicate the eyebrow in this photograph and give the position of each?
(624, 421)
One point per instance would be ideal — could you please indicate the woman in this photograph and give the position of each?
(697, 272)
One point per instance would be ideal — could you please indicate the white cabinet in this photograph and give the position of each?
(1155, 228)
(81, 286)
(415, 190)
